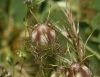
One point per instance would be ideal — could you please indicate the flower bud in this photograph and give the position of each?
(42, 34)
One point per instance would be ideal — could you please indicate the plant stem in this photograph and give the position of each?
(21, 68)
(13, 66)
(13, 70)
(34, 15)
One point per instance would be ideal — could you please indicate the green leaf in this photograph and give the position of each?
(16, 63)
(94, 61)
(96, 21)
(96, 34)
(95, 4)
(2, 1)
(10, 61)
(18, 10)
(93, 47)
(84, 30)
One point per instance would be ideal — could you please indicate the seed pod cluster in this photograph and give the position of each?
(42, 34)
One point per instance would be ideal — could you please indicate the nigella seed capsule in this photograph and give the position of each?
(42, 34)
(76, 70)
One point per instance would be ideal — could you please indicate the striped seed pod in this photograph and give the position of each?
(42, 34)
(74, 70)
(77, 70)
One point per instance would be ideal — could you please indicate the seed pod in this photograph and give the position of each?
(74, 70)
(42, 34)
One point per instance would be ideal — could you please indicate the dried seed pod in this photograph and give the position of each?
(74, 70)
(42, 34)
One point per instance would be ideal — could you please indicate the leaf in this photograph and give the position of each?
(1, 2)
(82, 31)
(94, 61)
(93, 47)
(16, 63)
(18, 10)
(10, 61)
(96, 21)
(95, 5)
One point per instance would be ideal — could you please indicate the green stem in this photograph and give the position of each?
(21, 68)
(34, 15)
(13, 70)
(13, 66)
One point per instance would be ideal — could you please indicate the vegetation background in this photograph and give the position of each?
(14, 14)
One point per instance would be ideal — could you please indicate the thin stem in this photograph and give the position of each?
(21, 68)
(34, 16)
(13, 67)
(86, 58)
(13, 70)
(48, 14)
(89, 37)
(64, 59)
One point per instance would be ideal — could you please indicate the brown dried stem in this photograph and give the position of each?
(75, 38)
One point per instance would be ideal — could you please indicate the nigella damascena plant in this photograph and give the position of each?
(77, 70)
(42, 34)
(74, 70)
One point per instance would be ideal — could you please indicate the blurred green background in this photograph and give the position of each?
(13, 14)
